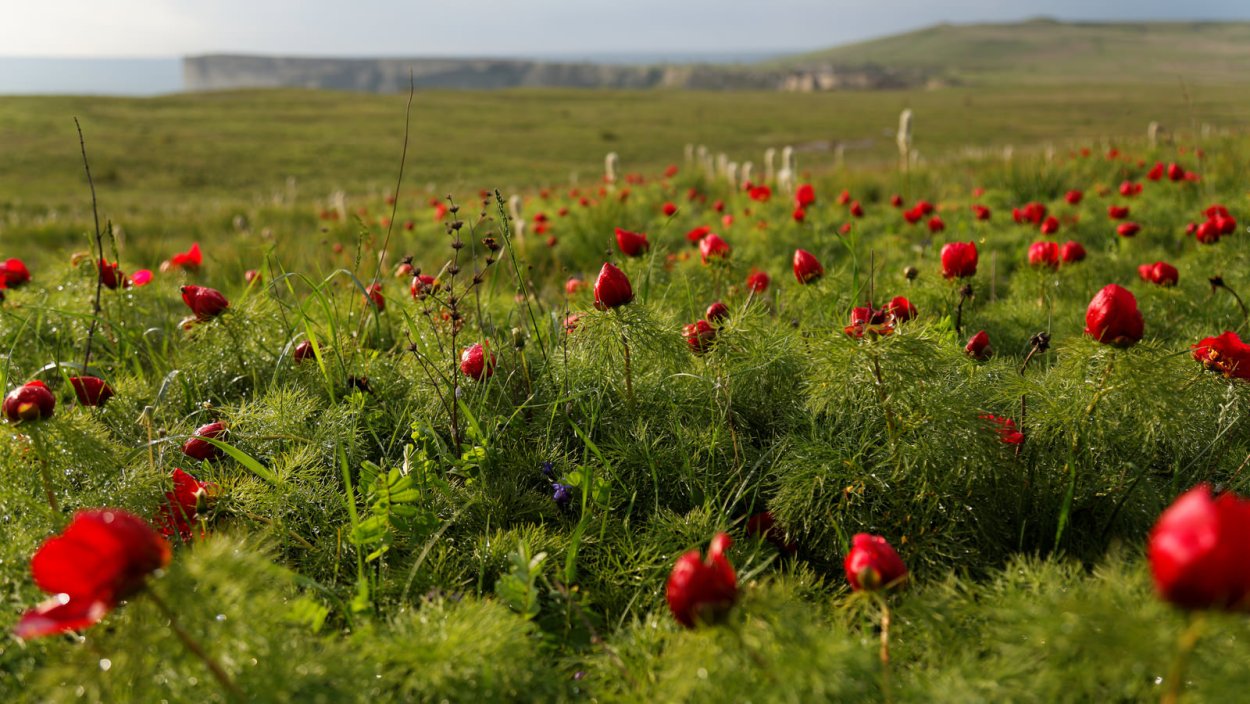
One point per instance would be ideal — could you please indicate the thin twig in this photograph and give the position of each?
(99, 245)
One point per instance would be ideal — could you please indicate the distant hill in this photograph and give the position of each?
(1049, 51)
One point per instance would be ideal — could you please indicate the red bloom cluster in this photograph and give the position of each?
(1199, 551)
(1225, 354)
(1006, 429)
(101, 558)
(882, 321)
(1159, 273)
(1218, 223)
(703, 591)
(1033, 213)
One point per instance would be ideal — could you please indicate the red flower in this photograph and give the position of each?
(866, 319)
(804, 196)
(205, 303)
(713, 247)
(198, 448)
(14, 273)
(1208, 232)
(373, 297)
(959, 260)
(1129, 189)
(799, 215)
(303, 352)
(91, 391)
(1006, 429)
(716, 312)
(573, 284)
(1127, 229)
(252, 276)
(844, 197)
(697, 234)
(1176, 172)
(189, 260)
(1050, 225)
(1112, 317)
(764, 525)
(703, 591)
(900, 309)
(760, 193)
(758, 281)
(1159, 273)
(669, 209)
(981, 212)
(1044, 254)
(422, 286)
(632, 244)
(30, 401)
(913, 216)
(857, 210)
(1073, 197)
(978, 347)
(936, 224)
(1198, 551)
(476, 362)
(103, 557)
(1225, 354)
(1071, 252)
(111, 275)
(142, 277)
(896, 200)
(699, 335)
(183, 505)
(872, 564)
(1117, 212)
(1156, 172)
(806, 267)
(612, 288)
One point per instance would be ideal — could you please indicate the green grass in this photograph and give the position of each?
(356, 554)
(1046, 52)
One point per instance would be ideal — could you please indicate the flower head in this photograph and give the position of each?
(978, 347)
(1113, 319)
(101, 558)
(1199, 551)
(205, 303)
(806, 267)
(712, 246)
(959, 260)
(700, 335)
(632, 244)
(703, 590)
(477, 362)
(91, 391)
(198, 448)
(183, 505)
(1225, 354)
(14, 274)
(612, 288)
(872, 564)
(30, 401)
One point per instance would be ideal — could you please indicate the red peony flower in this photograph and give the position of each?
(1050, 225)
(913, 216)
(198, 448)
(896, 200)
(857, 210)
(205, 303)
(713, 247)
(669, 209)
(142, 277)
(866, 319)
(1073, 197)
(101, 558)
(252, 276)
(1127, 229)
(703, 591)
(936, 224)
(476, 362)
(1176, 172)
(1117, 212)
(1225, 354)
(304, 351)
(1156, 172)
(91, 391)
(760, 193)
(1006, 429)
(699, 335)
(900, 309)
(804, 196)
(978, 347)
(422, 286)
(981, 212)
(14, 273)
(1071, 252)
(758, 281)
(872, 564)
(190, 260)
(374, 297)
(30, 401)
(612, 288)
(1129, 189)
(1044, 254)
(1112, 317)
(111, 275)
(183, 505)
(1199, 551)
(1159, 273)
(959, 260)
(806, 267)
(764, 525)
(697, 234)
(716, 312)
(632, 244)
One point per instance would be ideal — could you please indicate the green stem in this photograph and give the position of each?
(1069, 467)
(1184, 648)
(45, 472)
(197, 650)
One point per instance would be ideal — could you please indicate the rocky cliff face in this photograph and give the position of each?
(220, 72)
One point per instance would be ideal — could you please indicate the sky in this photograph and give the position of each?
(173, 28)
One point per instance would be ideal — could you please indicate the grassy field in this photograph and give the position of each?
(383, 527)
(1046, 52)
